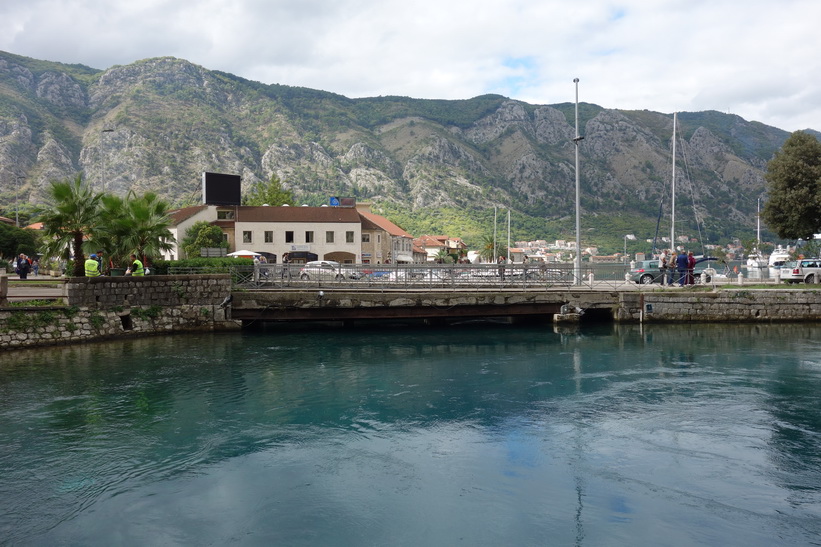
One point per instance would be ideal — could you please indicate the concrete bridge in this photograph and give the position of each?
(431, 305)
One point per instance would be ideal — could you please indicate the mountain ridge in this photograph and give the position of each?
(157, 123)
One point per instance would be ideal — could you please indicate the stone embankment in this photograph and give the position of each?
(727, 305)
(108, 307)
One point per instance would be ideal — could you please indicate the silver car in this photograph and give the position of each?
(324, 270)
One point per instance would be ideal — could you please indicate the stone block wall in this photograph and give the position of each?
(736, 305)
(109, 307)
(151, 290)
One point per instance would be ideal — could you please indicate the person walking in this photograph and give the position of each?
(23, 266)
(682, 263)
(92, 267)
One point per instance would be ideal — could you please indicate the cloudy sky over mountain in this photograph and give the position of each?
(755, 58)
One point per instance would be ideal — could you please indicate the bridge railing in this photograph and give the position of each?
(430, 276)
(449, 276)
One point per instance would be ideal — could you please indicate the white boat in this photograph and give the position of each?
(756, 261)
(777, 259)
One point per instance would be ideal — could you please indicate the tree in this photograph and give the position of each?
(201, 234)
(134, 224)
(73, 215)
(14, 240)
(793, 209)
(271, 193)
(487, 253)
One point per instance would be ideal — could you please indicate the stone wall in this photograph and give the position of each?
(112, 307)
(151, 290)
(728, 305)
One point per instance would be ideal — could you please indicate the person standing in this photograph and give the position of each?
(501, 262)
(23, 266)
(136, 269)
(663, 266)
(35, 267)
(100, 264)
(691, 268)
(671, 268)
(682, 263)
(92, 267)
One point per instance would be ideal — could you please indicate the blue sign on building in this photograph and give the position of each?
(334, 202)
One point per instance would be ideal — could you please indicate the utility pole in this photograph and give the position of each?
(577, 274)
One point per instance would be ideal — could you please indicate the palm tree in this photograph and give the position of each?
(74, 214)
(491, 249)
(148, 221)
(133, 224)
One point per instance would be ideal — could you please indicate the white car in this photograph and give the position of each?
(807, 270)
(321, 270)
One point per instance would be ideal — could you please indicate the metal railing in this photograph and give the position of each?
(606, 276)
(425, 276)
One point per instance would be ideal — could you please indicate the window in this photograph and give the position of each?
(329, 236)
(366, 238)
(348, 237)
(378, 239)
(289, 237)
(309, 237)
(269, 236)
(225, 237)
(225, 215)
(246, 237)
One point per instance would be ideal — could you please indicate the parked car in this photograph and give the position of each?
(647, 271)
(807, 270)
(323, 270)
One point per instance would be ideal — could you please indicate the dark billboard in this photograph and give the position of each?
(221, 189)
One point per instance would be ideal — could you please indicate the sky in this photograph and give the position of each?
(758, 59)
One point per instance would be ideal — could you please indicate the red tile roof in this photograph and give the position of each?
(384, 224)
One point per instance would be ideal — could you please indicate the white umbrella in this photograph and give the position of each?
(243, 253)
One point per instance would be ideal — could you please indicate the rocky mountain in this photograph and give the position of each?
(156, 124)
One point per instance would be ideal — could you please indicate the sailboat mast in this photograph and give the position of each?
(673, 216)
(508, 235)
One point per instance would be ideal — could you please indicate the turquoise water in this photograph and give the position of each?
(469, 435)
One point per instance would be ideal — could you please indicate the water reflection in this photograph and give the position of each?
(632, 433)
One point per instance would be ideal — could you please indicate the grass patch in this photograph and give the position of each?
(43, 303)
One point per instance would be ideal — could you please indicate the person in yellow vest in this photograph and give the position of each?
(136, 267)
(92, 266)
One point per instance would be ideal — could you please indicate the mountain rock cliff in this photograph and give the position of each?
(157, 124)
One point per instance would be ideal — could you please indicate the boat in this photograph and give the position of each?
(777, 259)
(756, 261)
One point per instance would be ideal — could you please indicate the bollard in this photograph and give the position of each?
(590, 278)
(740, 278)
(703, 278)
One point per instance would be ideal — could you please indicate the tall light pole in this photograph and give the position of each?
(16, 202)
(103, 151)
(577, 274)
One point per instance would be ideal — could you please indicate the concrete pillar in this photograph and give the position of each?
(740, 278)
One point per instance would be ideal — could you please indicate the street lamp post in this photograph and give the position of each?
(576, 140)
(104, 174)
(17, 202)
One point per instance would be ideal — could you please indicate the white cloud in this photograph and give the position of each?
(756, 59)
